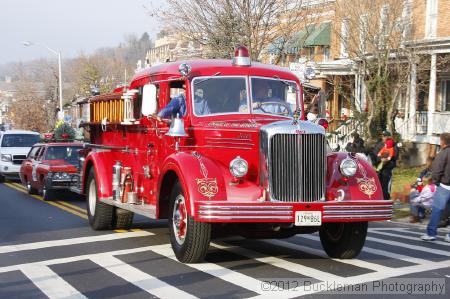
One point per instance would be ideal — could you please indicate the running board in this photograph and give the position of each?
(141, 209)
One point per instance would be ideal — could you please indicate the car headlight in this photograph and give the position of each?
(348, 167)
(238, 167)
(6, 158)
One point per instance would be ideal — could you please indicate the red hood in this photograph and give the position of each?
(60, 165)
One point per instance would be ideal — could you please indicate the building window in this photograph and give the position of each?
(431, 18)
(445, 92)
(326, 54)
(363, 28)
(406, 20)
(344, 37)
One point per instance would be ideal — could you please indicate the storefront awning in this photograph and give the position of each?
(320, 36)
(293, 45)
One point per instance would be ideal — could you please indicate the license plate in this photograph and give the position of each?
(308, 218)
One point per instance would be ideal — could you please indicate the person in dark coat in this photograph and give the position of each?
(356, 145)
(441, 178)
(385, 173)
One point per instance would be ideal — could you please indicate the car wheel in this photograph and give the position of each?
(47, 194)
(2, 179)
(189, 238)
(100, 215)
(343, 240)
(122, 219)
(30, 189)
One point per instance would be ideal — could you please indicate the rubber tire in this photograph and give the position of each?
(122, 219)
(47, 194)
(348, 243)
(2, 179)
(30, 189)
(198, 234)
(103, 214)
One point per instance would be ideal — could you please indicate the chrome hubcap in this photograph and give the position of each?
(180, 219)
(92, 198)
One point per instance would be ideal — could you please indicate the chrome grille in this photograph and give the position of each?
(297, 167)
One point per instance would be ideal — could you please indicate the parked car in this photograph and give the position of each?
(50, 167)
(14, 146)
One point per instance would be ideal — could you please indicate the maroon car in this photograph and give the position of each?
(49, 167)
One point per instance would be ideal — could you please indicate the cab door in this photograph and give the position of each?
(35, 172)
(27, 165)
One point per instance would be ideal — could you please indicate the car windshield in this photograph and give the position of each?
(224, 95)
(19, 140)
(67, 153)
(273, 96)
(219, 95)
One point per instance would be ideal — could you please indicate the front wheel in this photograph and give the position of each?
(47, 193)
(30, 188)
(343, 240)
(100, 215)
(189, 238)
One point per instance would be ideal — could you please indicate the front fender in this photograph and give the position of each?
(200, 177)
(364, 185)
(102, 163)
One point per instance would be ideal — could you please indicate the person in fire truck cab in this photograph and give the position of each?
(177, 105)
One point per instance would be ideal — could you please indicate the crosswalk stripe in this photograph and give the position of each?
(223, 273)
(313, 251)
(73, 241)
(139, 278)
(50, 283)
(379, 252)
(410, 238)
(277, 262)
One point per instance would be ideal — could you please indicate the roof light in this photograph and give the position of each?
(241, 56)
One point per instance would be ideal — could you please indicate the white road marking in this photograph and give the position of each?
(139, 278)
(50, 283)
(223, 273)
(389, 254)
(72, 241)
(409, 246)
(278, 262)
(411, 238)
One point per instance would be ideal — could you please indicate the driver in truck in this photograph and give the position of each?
(260, 95)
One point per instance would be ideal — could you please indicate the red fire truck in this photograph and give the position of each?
(236, 152)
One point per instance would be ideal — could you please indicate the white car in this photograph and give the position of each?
(14, 148)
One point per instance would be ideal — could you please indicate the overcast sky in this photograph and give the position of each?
(70, 26)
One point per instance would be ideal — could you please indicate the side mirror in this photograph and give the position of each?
(149, 101)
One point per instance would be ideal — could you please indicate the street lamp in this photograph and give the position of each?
(27, 44)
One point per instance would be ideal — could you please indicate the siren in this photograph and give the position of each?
(241, 56)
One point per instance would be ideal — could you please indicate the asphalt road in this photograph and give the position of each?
(47, 249)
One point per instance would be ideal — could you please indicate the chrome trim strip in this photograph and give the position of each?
(386, 202)
(244, 207)
(358, 207)
(356, 216)
(245, 217)
(357, 211)
(208, 212)
(144, 210)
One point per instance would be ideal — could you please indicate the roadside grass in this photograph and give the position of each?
(402, 177)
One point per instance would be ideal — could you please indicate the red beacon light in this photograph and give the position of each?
(241, 56)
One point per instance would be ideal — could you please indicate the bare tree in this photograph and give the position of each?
(220, 25)
(371, 33)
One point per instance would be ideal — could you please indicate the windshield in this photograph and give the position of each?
(19, 140)
(225, 95)
(219, 95)
(66, 153)
(273, 96)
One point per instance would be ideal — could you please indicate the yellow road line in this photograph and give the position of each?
(65, 203)
(49, 202)
(69, 205)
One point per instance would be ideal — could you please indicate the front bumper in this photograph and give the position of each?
(332, 211)
(9, 170)
(59, 184)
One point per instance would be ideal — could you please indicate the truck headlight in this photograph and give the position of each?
(6, 158)
(348, 167)
(238, 167)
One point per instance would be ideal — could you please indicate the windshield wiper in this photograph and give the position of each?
(286, 82)
(206, 79)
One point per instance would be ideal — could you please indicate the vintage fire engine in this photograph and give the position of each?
(235, 152)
